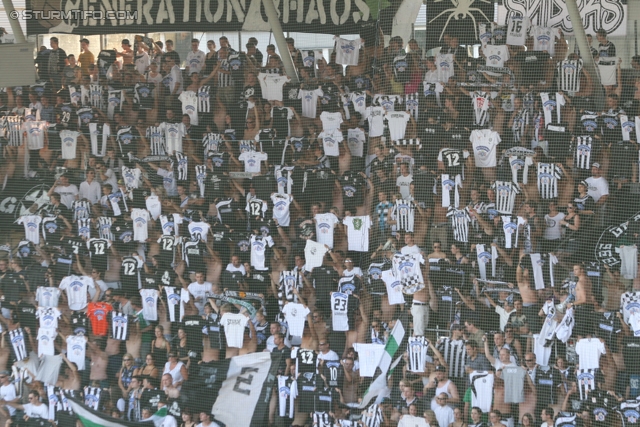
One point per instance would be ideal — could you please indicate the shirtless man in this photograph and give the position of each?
(528, 294)
(585, 302)
(70, 379)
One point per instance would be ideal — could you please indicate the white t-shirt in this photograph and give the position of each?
(195, 61)
(271, 85)
(325, 225)
(484, 143)
(39, 411)
(589, 351)
(394, 287)
(76, 349)
(331, 141)
(140, 218)
(330, 121)
(76, 288)
(234, 324)
(309, 102)
(252, 160)
(598, 187)
(358, 232)
(544, 38)
(69, 140)
(404, 186)
(347, 51)
(189, 101)
(375, 116)
(67, 194)
(281, 204)
(496, 56)
(295, 314)
(397, 121)
(8, 393)
(258, 250)
(314, 253)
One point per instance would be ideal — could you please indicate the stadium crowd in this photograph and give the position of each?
(450, 206)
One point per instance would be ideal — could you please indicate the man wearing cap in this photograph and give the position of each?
(598, 189)
(195, 58)
(7, 392)
(127, 52)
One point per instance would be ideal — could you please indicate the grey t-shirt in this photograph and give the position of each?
(513, 377)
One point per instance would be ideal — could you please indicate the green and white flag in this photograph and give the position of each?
(379, 384)
(91, 418)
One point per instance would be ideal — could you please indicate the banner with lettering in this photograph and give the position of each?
(610, 15)
(151, 16)
(607, 250)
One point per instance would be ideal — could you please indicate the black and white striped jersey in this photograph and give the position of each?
(582, 152)
(569, 75)
(548, 176)
(404, 214)
(460, 220)
(506, 192)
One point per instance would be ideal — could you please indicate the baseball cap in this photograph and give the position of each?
(596, 165)
(584, 183)
(441, 368)
(126, 41)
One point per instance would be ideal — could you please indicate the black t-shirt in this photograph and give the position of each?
(286, 354)
(11, 284)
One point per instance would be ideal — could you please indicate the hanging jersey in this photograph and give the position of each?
(548, 176)
(119, 323)
(517, 30)
(287, 393)
(99, 135)
(484, 142)
(140, 218)
(114, 102)
(505, 196)
(81, 209)
(149, 304)
(407, 268)
(519, 164)
(569, 72)
(31, 225)
(47, 296)
(404, 213)
(460, 220)
(48, 317)
(176, 299)
(552, 102)
(259, 248)
(453, 160)
(481, 103)
(481, 389)
(69, 143)
(204, 99)
(76, 288)
(305, 360)
(173, 134)
(155, 138)
(445, 66)
(417, 350)
(97, 312)
(544, 38)
(339, 309)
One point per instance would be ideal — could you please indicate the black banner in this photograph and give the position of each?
(145, 16)
(613, 237)
(458, 17)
